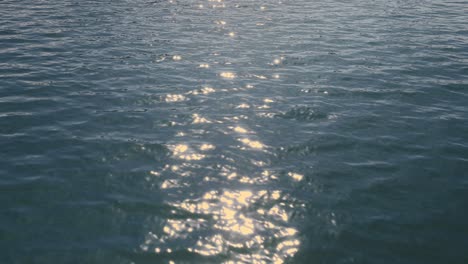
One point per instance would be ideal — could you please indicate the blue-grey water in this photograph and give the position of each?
(233, 131)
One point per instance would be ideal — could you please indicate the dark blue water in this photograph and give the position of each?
(219, 131)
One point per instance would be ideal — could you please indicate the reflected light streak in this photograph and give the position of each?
(252, 144)
(170, 98)
(278, 213)
(278, 61)
(207, 90)
(178, 149)
(204, 90)
(192, 156)
(258, 163)
(267, 115)
(206, 147)
(181, 151)
(235, 118)
(263, 106)
(197, 119)
(227, 75)
(234, 225)
(261, 77)
(295, 176)
(168, 184)
(243, 105)
(218, 6)
(240, 130)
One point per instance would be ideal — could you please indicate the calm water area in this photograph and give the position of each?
(233, 131)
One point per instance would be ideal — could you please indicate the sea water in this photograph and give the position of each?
(218, 131)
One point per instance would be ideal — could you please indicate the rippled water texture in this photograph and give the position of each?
(216, 131)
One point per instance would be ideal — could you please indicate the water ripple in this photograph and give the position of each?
(213, 131)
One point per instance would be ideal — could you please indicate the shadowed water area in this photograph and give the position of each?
(218, 131)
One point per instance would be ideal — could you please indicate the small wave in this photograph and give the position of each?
(303, 113)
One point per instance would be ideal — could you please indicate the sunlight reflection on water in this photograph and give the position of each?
(237, 224)
(242, 220)
(213, 131)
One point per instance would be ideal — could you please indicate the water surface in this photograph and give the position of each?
(233, 131)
